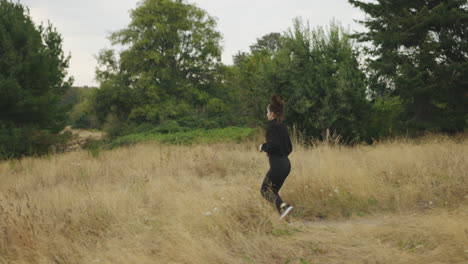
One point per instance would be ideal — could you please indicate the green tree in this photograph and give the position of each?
(326, 87)
(270, 42)
(83, 113)
(419, 53)
(169, 67)
(317, 73)
(247, 94)
(32, 82)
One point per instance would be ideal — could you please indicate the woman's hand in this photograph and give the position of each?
(260, 148)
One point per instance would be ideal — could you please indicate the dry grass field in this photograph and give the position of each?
(400, 201)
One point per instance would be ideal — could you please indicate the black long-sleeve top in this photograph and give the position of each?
(278, 143)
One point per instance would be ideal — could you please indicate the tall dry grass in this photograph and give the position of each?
(395, 202)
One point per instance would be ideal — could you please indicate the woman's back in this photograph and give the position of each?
(278, 140)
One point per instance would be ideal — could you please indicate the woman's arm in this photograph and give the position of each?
(289, 143)
(272, 141)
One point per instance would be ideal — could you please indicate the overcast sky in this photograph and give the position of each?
(86, 24)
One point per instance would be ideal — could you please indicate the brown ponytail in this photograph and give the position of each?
(277, 106)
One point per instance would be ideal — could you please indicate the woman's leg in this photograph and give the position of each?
(274, 180)
(270, 189)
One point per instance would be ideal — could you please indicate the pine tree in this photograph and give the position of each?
(32, 81)
(419, 53)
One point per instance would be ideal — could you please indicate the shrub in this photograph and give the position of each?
(235, 134)
(17, 142)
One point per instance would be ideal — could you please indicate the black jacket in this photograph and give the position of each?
(278, 142)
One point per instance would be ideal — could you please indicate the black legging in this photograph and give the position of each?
(274, 179)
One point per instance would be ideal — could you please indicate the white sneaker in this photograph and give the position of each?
(285, 210)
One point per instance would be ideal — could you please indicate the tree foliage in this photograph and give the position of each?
(168, 69)
(32, 82)
(317, 73)
(418, 52)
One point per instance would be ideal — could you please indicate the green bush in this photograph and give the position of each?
(235, 134)
(166, 127)
(17, 142)
(82, 113)
(114, 127)
(384, 118)
(93, 146)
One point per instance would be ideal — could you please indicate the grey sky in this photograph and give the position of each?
(85, 24)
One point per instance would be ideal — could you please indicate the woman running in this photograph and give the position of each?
(278, 147)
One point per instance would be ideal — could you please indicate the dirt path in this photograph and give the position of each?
(389, 238)
(344, 224)
(85, 134)
(81, 136)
